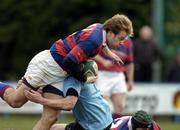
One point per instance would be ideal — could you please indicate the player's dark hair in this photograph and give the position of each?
(141, 119)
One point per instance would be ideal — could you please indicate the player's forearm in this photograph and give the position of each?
(116, 59)
(107, 51)
(99, 59)
(76, 70)
(130, 72)
(66, 103)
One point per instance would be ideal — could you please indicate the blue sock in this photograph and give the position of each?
(3, 87)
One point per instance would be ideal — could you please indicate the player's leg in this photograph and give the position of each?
(118, 97)
(14, 97)
(50, 74)
(58, 127)
(118, 101)
(48, 118)
(32, 80)
(49, 115)
(4, 87)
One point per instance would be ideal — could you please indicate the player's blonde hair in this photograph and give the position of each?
(119, 23)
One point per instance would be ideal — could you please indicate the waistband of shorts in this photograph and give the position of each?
(53, 90)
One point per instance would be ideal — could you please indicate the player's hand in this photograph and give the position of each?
(33, 96)
(130, 85)
(117, 60)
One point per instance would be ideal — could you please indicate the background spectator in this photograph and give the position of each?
(146, 53)
(174, 69)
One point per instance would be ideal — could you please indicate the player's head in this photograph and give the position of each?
(141, 120)
(146, 33)
(117, 29)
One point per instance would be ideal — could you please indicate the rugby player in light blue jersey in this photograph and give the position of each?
(91, 111)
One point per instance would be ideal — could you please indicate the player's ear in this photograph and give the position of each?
(109, 33)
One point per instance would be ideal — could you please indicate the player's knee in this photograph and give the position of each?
(54, 127)
(15, 104)
(51, 118)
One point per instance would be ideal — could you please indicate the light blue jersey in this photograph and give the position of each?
(91, 110)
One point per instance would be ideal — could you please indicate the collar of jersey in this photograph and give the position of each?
(104, 36)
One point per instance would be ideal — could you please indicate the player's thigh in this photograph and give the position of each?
(58, 127)
(49, 112)
(104, 83)
(43, 70)
(118, 98)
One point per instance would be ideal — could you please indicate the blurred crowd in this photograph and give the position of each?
(147, 55)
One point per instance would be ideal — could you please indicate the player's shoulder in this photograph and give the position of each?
(94, 32)
(93, 28)
(120, 122)
(123, 118)
(155, 126)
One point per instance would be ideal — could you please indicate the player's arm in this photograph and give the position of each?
(65, 103)
(155, 126)
(76, 56)
(130, 76)
(112, 55)
(75, 69)
(106, 63)
(130, 65)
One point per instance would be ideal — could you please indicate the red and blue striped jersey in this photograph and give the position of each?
(125, 52)
(124, 123)
(79, 46)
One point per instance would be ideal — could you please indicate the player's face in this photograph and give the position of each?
(114, 41)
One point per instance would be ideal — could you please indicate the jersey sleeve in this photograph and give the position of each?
(82, 51)
(130, 56)
(155, 126)
(71, 82)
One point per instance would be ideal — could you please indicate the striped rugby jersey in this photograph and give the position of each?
(124, 123)
(79, 46)
(125, 52)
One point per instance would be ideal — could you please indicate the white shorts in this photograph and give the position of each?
(111, 82)
(43, 70)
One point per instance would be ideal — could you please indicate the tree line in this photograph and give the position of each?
(27, 27)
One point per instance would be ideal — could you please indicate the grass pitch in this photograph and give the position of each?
(26, 122)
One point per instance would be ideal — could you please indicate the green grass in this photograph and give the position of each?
(26, 122)
(167, 124)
